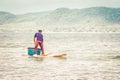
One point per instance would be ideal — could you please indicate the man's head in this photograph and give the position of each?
(40, 31)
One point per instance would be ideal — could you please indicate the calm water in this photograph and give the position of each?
(90, 56)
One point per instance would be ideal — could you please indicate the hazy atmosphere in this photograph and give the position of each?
(87, 32)
(26, 6)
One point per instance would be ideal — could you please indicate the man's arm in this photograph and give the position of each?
(34, 38)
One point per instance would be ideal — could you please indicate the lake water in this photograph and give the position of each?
(90, 56)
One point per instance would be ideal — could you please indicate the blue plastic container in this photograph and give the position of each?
(31, 51)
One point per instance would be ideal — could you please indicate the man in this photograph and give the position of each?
(38, 40)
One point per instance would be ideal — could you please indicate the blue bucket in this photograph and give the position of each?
(31, 51)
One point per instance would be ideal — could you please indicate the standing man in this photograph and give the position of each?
(38, 41)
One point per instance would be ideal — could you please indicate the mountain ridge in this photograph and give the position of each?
(65, 19)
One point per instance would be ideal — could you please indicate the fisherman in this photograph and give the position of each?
(38, 41)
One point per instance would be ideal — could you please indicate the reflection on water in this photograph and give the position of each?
(90, 56)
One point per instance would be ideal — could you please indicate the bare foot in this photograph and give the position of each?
(44, 54)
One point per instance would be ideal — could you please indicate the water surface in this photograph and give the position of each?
(90, 56)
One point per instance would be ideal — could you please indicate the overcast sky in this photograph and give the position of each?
(26, 6)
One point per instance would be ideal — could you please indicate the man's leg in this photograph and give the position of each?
(42, 48)
(36, 47)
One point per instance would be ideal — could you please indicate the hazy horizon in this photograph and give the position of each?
(52, 10)
(25, 6)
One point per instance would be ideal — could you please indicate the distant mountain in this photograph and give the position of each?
(64, 19)
(6, 17)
